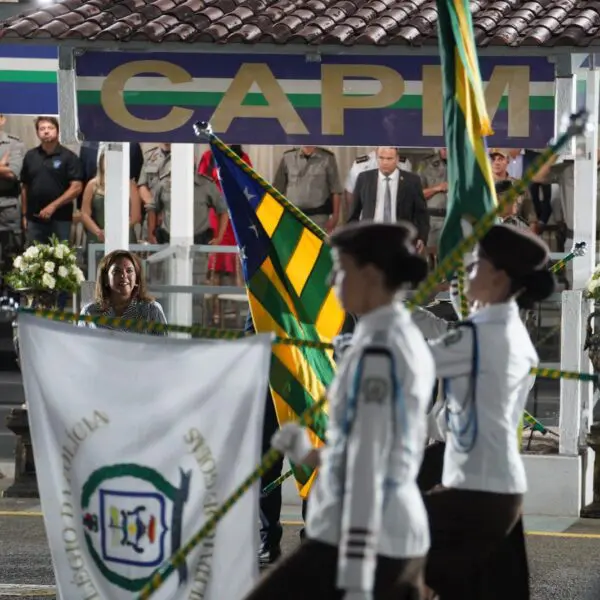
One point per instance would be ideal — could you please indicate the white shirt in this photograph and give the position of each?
(381, 185)
(515, 166)
(365, 498)
(360, 165)
(506, 356)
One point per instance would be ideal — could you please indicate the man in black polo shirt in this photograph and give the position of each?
(52, 180)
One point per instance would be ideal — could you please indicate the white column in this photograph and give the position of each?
(182, 230)
(570, 358)
(566, 104)
(570, 352)
(586, 169)
(586, 178)
(116, 194)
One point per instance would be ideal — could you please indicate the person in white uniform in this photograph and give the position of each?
(367, 530)
(485, 363)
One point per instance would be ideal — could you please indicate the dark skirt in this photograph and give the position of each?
(310, 572)
(496, 568)
(476, 539)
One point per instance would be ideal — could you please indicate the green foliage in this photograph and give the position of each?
(46, 267)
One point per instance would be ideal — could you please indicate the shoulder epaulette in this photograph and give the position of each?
(291, 150)
(361, 159)
(13, 137)
(153, 149)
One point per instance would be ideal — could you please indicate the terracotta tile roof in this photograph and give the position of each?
(334, 22)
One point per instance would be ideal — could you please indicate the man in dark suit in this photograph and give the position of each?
(389, 194)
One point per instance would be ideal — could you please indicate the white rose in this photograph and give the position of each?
(32, 252)
(592, 285)
(63, 271)
(48, 281)
(49, 266)
(79, 276)
(59, 252)
(18, 262)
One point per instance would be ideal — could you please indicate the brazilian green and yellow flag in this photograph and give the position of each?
(471, 192)
(286, 268)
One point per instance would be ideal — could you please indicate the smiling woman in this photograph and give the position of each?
(121, 292)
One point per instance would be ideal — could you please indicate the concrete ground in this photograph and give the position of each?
(564, 554)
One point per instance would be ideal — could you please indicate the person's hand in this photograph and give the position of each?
(358, 595)
(443, 187)
(215, 241)
(331, 224)
(24, 223)
(100, 235)
(4, 159)
(420, 246)
(152, 239)
(293, 441)
(47, 212)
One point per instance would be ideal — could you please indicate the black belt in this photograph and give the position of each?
(313, 212)
(437, 212)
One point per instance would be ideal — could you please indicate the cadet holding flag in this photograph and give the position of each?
(367, 531)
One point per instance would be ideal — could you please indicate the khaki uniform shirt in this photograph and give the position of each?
(433, 171)
(10, 211)
(16, 152)
(156, 169)
(206, 196)
(308, 181)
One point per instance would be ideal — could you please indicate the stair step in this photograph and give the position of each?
(11, 389)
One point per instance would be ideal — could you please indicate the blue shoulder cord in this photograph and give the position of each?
(396, 396)
(465, 437)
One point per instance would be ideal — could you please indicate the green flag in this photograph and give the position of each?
(471, 192)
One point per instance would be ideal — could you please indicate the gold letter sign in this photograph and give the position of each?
(514, 80)
(333, 100)
(278, 106)
(113, 101)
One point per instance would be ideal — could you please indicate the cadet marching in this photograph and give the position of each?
(371, 532)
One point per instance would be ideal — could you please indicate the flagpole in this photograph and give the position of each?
(577, 126)
(203, 130)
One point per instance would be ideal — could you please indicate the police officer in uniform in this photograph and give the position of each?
(12, 151)
(155, 171)
(366, 162)
(433, 171)
(309, 178)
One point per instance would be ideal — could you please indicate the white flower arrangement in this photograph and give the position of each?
(46, 268)
(592, 290)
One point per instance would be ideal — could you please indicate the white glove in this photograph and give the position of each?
(293, 441)
(354, 595)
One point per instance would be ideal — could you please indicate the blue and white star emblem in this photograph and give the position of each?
(243, 256)
(254, 229)
(249, 195)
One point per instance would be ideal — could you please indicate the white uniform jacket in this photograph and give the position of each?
(366, 500)
(485, 363)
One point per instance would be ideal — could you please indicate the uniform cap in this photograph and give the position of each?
(501, 151)
(389, 247)
(523, 256)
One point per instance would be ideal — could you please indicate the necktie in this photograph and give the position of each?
(387, 202)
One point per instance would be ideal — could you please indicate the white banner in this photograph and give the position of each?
(137, 439)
